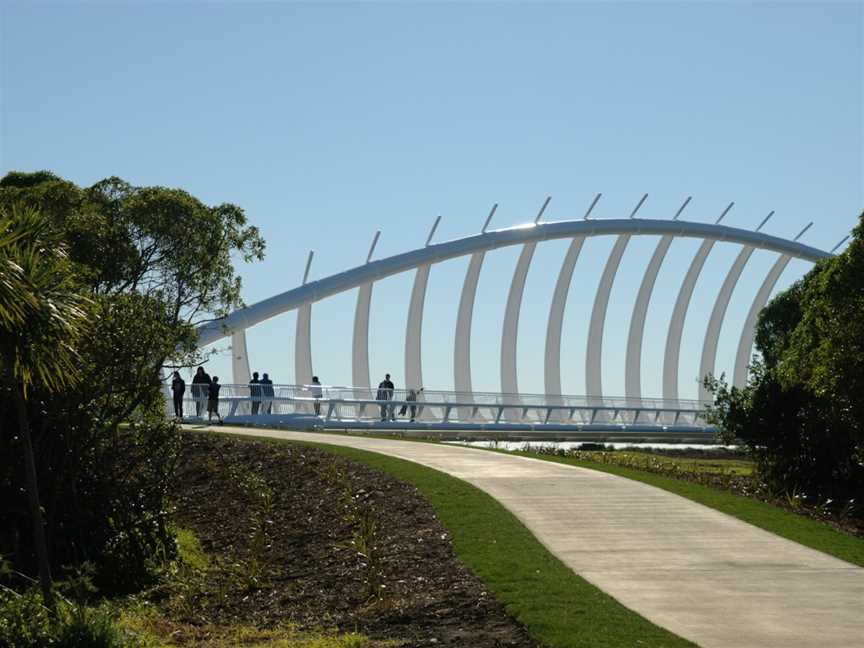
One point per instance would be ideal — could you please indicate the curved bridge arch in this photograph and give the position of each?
(420, 260)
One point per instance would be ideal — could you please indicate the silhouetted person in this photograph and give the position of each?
(267, 393)
(385, 393)
(199, 389)
(213, 399)
(317, 392)
(255, 392)
(178, 388)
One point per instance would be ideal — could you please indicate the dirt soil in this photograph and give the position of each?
(294, 534)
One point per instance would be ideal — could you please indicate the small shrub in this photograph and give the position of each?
(91, 628)
(26, 623)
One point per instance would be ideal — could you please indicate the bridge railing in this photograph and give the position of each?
(356, 404)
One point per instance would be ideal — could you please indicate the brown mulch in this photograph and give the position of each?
(297, 535)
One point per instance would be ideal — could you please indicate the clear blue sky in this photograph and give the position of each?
(326, 122)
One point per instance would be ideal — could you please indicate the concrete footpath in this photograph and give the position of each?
(700, 573)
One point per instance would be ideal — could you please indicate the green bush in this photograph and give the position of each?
(25, 623)
(154, 262)
(801, 414)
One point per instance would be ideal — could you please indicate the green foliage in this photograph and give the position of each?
(802, 412)
(42, 313)
(189, 550)
(25, 623)
(151, 263)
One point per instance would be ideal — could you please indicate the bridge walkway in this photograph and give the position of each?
(702, 574)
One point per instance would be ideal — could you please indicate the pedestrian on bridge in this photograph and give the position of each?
(317, 393)
(385, 394)
(266, 393)
(213, 400)
(412, 398)
(200, 383)
(255, 392)
(178, 388)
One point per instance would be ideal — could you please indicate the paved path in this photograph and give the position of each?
(702, 574)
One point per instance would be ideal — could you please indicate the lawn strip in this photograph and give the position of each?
(810, 533)
(559, 608)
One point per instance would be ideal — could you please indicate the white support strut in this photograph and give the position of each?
(745, 344)
(303, 346)
(360, 348)
(715, 322)
(593, 375)
(509, 334)
(414, 330)
(239, 358)
(676, 324)
(633, 367)
(462, 343)
(552, 368)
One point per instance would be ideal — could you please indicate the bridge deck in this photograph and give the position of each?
(299, 407)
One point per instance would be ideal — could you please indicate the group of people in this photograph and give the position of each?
(386, 389)
(204, 388)
(261, 392)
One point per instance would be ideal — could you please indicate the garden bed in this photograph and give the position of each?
(292, 534)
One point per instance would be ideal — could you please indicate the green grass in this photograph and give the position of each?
(189, 549)
(559, 608)
(810, 533)
(152, 630)
(740, 467)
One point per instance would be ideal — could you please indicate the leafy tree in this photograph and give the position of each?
(802, 412)
(156, 262)
(42, 317)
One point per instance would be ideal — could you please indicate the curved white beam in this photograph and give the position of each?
(360, 348)
(239, 358)
(375, 270)
(715, 322)
(633, 366)
(462, 345)
(414, 330)
(745, 344)
(593, 377)
(303, 346)
(509, 381)
(556, 320)
(676, 324)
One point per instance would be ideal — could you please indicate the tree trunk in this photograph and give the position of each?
(33, 500)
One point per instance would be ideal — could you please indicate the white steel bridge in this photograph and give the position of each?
(552, 408)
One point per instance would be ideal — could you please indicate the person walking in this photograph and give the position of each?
(255, 393)
(178, 388)
(266, 393)
(412, 398)
(200, 383)
(317, 393)
(213, 400)
(385, 394)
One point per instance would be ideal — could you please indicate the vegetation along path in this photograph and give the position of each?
(695, 571)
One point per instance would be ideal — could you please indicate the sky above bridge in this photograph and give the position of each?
(326, 122)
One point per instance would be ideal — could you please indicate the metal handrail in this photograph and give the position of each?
(466, 399)
(339, 403)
